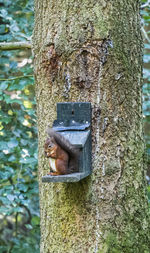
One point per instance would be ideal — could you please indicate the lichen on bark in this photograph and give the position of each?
(92, 51)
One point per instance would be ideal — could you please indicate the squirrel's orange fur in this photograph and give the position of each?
(62, 154)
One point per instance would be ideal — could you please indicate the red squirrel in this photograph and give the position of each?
(63, 157)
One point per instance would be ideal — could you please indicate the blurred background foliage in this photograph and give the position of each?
(145, 12)
(19, 205)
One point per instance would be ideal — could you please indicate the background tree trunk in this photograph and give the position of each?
(92, 51)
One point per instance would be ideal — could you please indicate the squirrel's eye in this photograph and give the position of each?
(49, 146)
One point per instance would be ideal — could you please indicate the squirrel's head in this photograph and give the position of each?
(50, 148)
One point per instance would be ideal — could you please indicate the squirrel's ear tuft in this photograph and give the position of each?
(53, 140)
(47, 141)
(50, 132)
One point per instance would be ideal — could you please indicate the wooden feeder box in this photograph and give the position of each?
(74, 123)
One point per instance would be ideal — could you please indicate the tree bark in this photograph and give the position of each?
(91, 51)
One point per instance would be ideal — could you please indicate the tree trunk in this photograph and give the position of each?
(91, 51)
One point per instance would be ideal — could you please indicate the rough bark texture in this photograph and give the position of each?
(91, 51)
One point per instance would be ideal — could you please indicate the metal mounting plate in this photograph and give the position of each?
(73, 116)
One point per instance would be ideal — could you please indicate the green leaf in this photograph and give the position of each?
(3, 86)
(4, 175)
(12, 158)
(35, 220)
(11, 197)
(12, 143)
(3, 13)
(4, 210)
(22, 187)
(24, 142)
(3, 249)
(28, 226)
(3, 145)
(4, 200)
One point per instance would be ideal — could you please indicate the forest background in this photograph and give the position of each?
(19, 208)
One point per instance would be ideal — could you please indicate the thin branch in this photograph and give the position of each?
(14, 78)
(146, 4)
(145, 35)
(14, 45)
